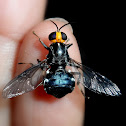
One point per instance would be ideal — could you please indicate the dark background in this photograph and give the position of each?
(99, 30)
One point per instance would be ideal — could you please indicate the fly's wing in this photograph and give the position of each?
(75, 70)
(97, 82)
(25, 82)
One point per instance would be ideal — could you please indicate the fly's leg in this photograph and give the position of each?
(69, 45)
(31, 63)
(27, 63)
(38, 60)
(78, 82)
(41, 41)
(67, 41)
(78, 76)
(76, 73)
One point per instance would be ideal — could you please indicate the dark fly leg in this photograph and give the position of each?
(27, 63)
(79, 75)
(75, 72)
(31, 63)
(41, 41)
(38, 60)
(78, 83)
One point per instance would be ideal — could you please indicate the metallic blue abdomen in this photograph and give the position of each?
(59, 84)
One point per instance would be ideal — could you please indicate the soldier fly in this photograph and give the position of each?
(58, 73)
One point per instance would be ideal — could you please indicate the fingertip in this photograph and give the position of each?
(69, 109)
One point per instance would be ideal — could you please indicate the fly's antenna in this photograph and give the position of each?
(63, 26)
(58, 29)
(55, 25)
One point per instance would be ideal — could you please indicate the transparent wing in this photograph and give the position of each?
(96, 82)
(73, 68)
(25, 82)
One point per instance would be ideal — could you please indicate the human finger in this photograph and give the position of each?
(36, 107)
(15, 22)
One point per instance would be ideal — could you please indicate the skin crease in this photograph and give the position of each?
(35, 108)
(67, 111)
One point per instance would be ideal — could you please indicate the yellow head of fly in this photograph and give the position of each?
(58, 36)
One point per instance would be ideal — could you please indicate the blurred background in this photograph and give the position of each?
(99, 30)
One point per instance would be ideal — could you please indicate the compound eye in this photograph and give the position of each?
(64, 36)
(52, 36)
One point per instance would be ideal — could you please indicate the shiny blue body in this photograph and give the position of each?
(58, 82)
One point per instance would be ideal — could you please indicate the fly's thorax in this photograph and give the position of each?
(58, 53)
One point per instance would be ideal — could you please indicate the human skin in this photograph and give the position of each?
(18, 44)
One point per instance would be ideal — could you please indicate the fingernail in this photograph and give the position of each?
(61, 20)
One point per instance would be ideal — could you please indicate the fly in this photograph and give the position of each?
(58, 73)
